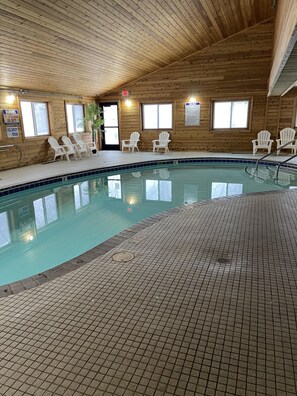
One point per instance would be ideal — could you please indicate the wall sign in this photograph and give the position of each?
(11, 116)
(12, 132)
(192, 114)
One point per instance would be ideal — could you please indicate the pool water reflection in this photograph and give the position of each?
(45, 227)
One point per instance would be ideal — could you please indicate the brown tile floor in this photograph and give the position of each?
(206, 307)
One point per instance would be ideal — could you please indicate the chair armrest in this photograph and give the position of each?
(124, 141)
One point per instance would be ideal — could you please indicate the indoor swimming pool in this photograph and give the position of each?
(46, 226)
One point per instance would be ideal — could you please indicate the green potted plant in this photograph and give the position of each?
(93, 121)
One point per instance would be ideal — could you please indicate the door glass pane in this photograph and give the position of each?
(110, 114)
(111, 135)
(114, 187)
(165, 116)
(222, 114)
(150, 116)
(78, 115)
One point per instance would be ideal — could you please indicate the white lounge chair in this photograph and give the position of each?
(162, 142)
(59, 150)
(287, 135)
(131, 143)
(89, 147)
(78, 150)
(262, 142)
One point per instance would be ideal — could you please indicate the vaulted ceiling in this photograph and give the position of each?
(90, 47)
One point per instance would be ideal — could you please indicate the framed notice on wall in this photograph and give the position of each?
(11, 116)
(192, 114)
(12, 132)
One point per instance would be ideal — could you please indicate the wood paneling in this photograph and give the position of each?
(90, 47)
(36, 149)
(235, 68)
(284, 40)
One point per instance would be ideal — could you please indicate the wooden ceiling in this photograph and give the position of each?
(90, 47)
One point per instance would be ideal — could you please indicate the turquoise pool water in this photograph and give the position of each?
(47, 226)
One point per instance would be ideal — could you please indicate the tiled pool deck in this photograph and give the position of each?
(207, 306)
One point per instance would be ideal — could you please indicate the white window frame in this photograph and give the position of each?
(158, 119)
(246, 128)
(158, 190)
(34, 118)
(76, 128)
(45, 212)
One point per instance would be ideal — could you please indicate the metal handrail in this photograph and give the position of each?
(281, 163)
(279, 148)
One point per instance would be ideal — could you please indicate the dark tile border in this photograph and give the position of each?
(106, 246)
(72, 176)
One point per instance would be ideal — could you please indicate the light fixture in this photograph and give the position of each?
(192, 99)
(128, 102)
(10, 99)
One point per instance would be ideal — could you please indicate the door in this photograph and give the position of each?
(110, 128)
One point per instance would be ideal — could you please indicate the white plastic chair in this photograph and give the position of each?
(286, 136)
(262, 142)
(86, 147)
(162, 142)
(59, 150)
(131, 144)
(78, 150)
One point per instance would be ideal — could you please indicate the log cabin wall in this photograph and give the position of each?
(235, 68)
(34, 149)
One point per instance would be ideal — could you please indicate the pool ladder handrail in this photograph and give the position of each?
(279, 148)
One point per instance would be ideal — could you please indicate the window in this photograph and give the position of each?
(75, 116)
(114, 186)
(4, 230)
(35, 118)
(81, 195)
(157, 116)
(45, 210)
(231, 114)
(158, 190)
(225, 189)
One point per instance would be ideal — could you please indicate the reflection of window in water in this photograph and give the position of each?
(158, 190)
(225, 189)
(45, 210)
(81, 195)
(190, 193)
(114, 186)
(4, 230)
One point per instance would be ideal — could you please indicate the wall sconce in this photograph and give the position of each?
(128, 102)
(10, 99)
(192, 99)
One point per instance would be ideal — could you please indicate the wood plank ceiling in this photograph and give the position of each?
(90, 47)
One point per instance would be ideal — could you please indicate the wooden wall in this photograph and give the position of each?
(237, 67)
(285, 24)
(35, 149)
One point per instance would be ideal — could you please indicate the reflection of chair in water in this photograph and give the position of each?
(136, 174)
(263, 141)
(162, 142)
(286, 136)
(60, 151)
(164, 173)
(132, 142)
